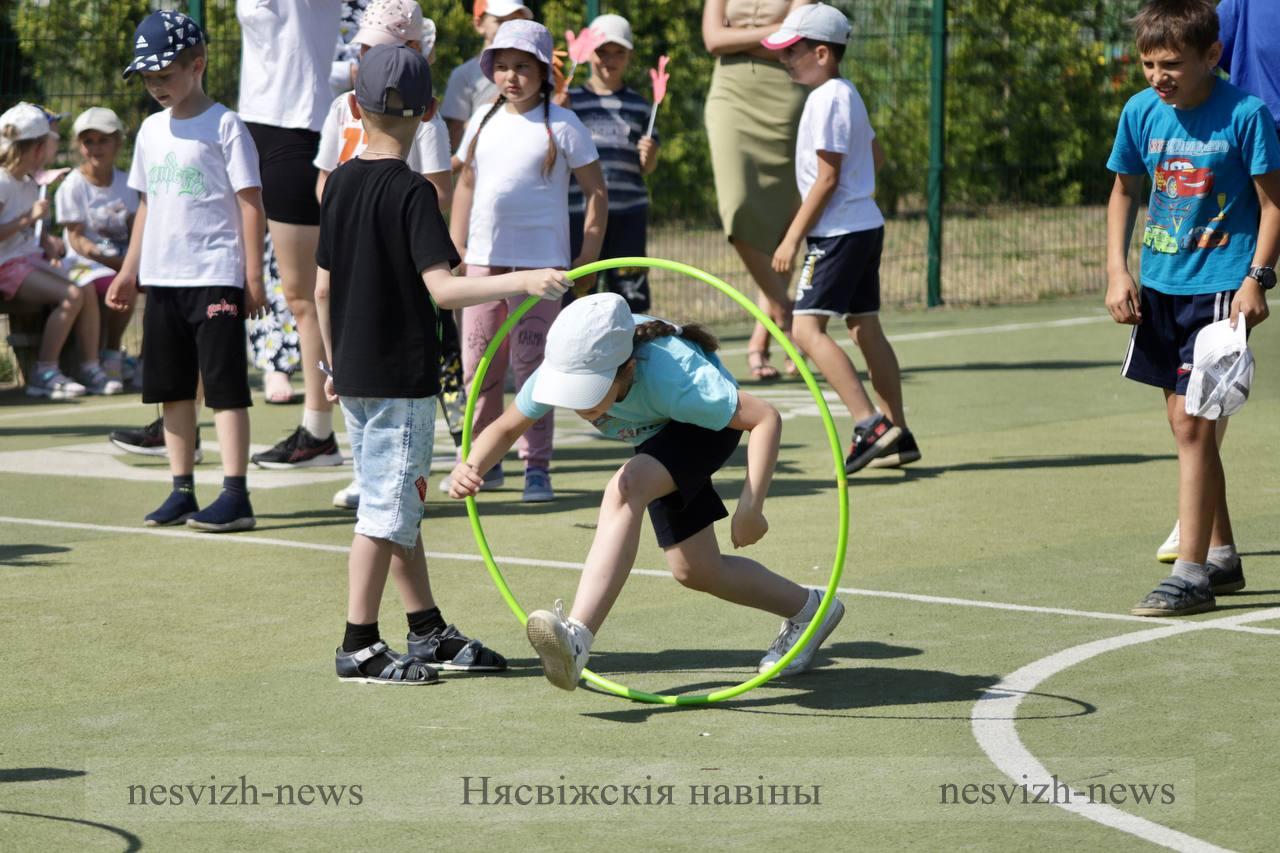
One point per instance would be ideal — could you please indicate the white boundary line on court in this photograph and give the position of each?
(994, 721)
(577, 567)
(969, 330)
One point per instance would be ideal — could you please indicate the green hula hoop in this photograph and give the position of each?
(842, 486)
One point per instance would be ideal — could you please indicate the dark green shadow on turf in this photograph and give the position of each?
(132, 841)
(1015, 463)
(19, 557)
(36, 774)
(978, 366)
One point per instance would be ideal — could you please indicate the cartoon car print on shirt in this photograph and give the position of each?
(1157, 239)
(1204, 237)
(1181, 179)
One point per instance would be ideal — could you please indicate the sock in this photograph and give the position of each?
(110, 355)
(319, 424)
(90, 366)
(1224, 556)
(810, 608)
(42, 366)
(360, 637)
(1195, 573)
(866, 423)
(185, 483)
(236, 486)
(425, 622)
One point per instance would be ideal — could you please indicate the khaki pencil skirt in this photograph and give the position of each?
(752, 113)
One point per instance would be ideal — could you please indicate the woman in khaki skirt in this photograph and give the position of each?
(752, 112)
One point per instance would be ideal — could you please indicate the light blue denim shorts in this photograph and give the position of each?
(391, 442)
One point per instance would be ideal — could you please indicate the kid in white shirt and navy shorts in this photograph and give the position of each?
(197, 248)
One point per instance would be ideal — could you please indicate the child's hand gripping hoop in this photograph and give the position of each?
(842, 489)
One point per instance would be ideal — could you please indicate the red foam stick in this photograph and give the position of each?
(659, 76)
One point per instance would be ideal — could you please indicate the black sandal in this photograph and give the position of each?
(472, 657)
(1174, 596)
(401, 670)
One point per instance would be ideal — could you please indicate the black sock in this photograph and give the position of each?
(360, 637)
(426, 621)
(236, 486)
(185, 483)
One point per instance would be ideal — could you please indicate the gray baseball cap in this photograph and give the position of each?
(388, 66)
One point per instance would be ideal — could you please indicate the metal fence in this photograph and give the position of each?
(1031, 95)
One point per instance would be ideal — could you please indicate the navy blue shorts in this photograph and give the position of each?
(840, 276)
(691, 454)
(624, 237)
(1162, 347)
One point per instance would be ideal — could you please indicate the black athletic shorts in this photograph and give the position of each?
(841, 275)
(691, 454)
(285, 159)
(189, 332)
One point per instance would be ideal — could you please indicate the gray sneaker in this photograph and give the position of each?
(791, 632)
(537, 487)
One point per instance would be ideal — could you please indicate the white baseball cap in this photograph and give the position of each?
(818, 21)
(27, 120)
(615, 29)
(502, 8)
(586, 345)
(100, 119)
(1222, 371)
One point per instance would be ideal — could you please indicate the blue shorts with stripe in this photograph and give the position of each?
(1162, 346)
(840, 276)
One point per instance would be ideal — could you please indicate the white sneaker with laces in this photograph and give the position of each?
(791, 632)
(348, 497)
(1168, 552)
(563, 644)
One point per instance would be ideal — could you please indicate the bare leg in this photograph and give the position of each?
(882, 364)
(232, 426)
(114, 324)
(295, 247)
(409, 570)
(698, 564)
(1202, 503)
(810, 331)
(367, 567)
(180, 436)
(772, 299)
(42, 287)
(89, 325)
(640, 481)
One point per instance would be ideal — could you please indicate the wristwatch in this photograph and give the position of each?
(1265, 276)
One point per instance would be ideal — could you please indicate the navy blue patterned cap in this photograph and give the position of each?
(160, 38)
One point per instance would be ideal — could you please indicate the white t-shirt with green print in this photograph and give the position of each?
(190, 171)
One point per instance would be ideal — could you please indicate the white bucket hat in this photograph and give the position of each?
(1222, 371)
(529, 36)
(586, 345)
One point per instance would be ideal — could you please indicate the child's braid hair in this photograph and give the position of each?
(695, 332)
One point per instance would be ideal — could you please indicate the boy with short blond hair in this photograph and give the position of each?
(196, 246)
(1210, 243)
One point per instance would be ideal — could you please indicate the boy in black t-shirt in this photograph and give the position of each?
(381, 240)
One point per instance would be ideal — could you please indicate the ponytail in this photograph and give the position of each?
(693, 332)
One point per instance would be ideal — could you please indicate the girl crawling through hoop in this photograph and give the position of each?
(661, 388)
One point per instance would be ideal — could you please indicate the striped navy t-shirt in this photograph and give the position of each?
(617, 122)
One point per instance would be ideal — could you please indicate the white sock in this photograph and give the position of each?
(319, 424)
(87, 367)
(1195, 573)
(810, 608)
(1223, 556)
(42, 366)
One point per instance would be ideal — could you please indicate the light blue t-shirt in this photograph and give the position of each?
(675, 381)
(1202, 218)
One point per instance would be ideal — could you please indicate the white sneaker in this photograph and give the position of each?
(791, 632)
(55, 385)
(1168, 552)
(348, 497)
(562, 643)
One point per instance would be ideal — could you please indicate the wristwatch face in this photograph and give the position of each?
(1265, 276)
